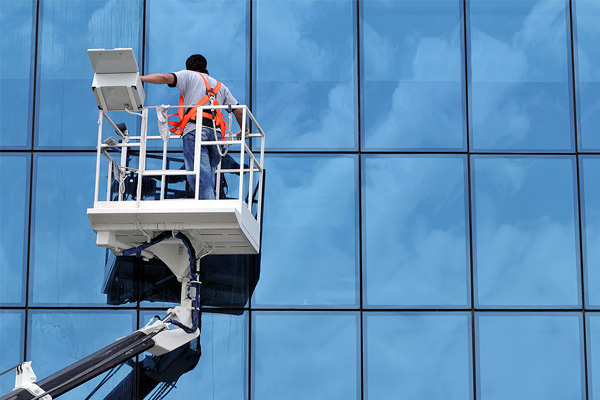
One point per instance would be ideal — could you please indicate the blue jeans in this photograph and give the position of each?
(209, 159)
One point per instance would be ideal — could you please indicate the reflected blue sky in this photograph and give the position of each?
(309, 240)
(17, 23)
(418, 356)
(58, 339)
(66, 265)
(525, 232)
(587, 31)
(14, 197)
(593, 354)
(224, 23)
(12, 328)
(415, 240)
(305, 67)
(520, 96)
(412, 74)
(305, 356)
(65, 105)
(590, 187)
(529, 356)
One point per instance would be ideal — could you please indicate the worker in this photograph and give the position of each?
(194, 84)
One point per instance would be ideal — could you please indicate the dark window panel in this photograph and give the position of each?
(17, 19)
(66, 265)
(57, 339)
(65, 106)
(12, 329)
(14, 209)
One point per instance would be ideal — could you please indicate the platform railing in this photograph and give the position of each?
(248, 141)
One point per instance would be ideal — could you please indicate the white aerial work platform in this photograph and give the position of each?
(141, 214)
(221, 226)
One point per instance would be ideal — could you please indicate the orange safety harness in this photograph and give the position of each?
(215, 115)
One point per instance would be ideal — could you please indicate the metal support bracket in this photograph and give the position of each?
(26, 380)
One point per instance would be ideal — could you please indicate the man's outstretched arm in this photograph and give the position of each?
(158, 78)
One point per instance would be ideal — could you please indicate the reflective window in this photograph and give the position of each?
(65, 105)
(221, 371)
(525, 232)
(301, 355)
(66, 265)
(224, 22)
(56, 340)
(413, 76)
(587, 30)
(14, 211)
(404, 351)
(590, 192)
(17, 19)
(529, 356)
(593, 354)
(11, 346)
(415, 222)
(309, 237)
(520, 96)
(305, 68)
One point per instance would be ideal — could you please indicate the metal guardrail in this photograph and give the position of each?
(250, 191)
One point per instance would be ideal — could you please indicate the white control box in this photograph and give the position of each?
(116, 85)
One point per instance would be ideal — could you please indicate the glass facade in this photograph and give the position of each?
(431, 218)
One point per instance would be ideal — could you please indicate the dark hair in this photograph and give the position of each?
(196, 62)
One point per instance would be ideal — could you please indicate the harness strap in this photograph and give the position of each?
(216, 115)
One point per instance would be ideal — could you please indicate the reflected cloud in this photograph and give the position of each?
(310, 228)
(305, 67)
(425, 109)
(520, 94)
(428, 210)
(525, 232)
(529, 263)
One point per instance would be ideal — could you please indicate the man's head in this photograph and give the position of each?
(196, 62)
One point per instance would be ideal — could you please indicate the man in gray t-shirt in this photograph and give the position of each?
(193, 87)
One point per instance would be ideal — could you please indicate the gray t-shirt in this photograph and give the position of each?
(193, 89)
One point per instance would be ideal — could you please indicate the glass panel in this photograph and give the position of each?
(590, 209)
(411, 206)
(309, 238)
(404, 351)
(17, 19)
(14, 219)
(59, 339)
(66, 109)
(66, 265)
(301, 355)
(529, 356)
(520, 83)
(305, 67)
(11, 346)
(222, 370)
(525, 232)
(587, 30)
(593, 354)
(413, 75)
(225, 20)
